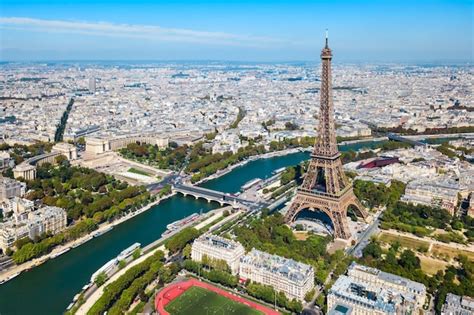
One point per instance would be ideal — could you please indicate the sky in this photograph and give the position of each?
(237, 30)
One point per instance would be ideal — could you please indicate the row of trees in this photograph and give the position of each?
(115, 290)
(58, 136)
(240, 115)
(210, 164)
(215, 275)
(428, 131)
(268, 294)
(180, 240)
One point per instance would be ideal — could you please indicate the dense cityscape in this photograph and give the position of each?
(218, 187)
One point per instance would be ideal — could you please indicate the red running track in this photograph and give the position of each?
(172, 291)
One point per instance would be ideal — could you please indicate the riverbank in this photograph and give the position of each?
(230, 168)
(273, 154)
(57, 251)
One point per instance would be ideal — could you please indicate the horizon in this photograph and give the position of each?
(236, 30)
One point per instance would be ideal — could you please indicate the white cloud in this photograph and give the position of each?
(147, 32)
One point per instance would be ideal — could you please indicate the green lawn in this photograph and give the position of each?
(137, 171)
(199, 301)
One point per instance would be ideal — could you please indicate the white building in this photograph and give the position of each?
(5, 160)
(10, 188)
(67, 149)
(219, 248)
(366, 290)
(458, 305)
(438, 194)
(293, 278)
(28, 223)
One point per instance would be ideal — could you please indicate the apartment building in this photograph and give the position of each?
(293, 278)
(219, 248)
(366, 290)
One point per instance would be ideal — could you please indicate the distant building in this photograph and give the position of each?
(458, 305)
(28, 223)
(92, 85)
(25, 171)
(366, 290)
(293, 278)
(437, 194)
(96, 146)
(5, 160)
(10, 188)
(216, 247)
(67, 149)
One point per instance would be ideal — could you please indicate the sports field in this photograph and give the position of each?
(199, 301)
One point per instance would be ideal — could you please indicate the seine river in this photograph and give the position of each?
(48, 289)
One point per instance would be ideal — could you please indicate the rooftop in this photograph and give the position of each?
(288, 268)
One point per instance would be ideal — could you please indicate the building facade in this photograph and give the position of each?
(458, 305)
(25, 222)
(433, 194)
(366, 290)
(216, 247)
(293, 278)
(10, 188)
(66, 149)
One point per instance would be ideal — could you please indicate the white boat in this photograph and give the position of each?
(277, 171)
(107, 268)
(97, 234)
(250, 183)
(128, 251)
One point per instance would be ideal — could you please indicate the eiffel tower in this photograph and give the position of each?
(325, 186)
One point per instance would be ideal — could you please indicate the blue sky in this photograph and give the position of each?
(385, 30)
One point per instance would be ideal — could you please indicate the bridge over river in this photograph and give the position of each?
(217, 196)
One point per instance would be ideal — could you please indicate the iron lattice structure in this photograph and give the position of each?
(325, 186)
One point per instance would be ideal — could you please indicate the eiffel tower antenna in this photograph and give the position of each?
(327, 38)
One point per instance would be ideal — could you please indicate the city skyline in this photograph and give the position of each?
(236, 31)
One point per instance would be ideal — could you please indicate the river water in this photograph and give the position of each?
(49, 288)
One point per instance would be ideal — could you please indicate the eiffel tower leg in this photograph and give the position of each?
(361, 211)
(341, 228)
(294, 209)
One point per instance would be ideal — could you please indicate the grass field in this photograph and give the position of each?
(432, 266)
(137, 171)
(404, 241)
(199, 301)
(451, 252)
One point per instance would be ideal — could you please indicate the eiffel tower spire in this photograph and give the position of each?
(325, 186)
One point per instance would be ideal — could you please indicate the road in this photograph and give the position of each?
(365, 238)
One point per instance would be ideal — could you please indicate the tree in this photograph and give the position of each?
(409, 260)
(187, 251)
(122, 264)
(136, 253)
(100, 279)
(309, 295)
(372, 249)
